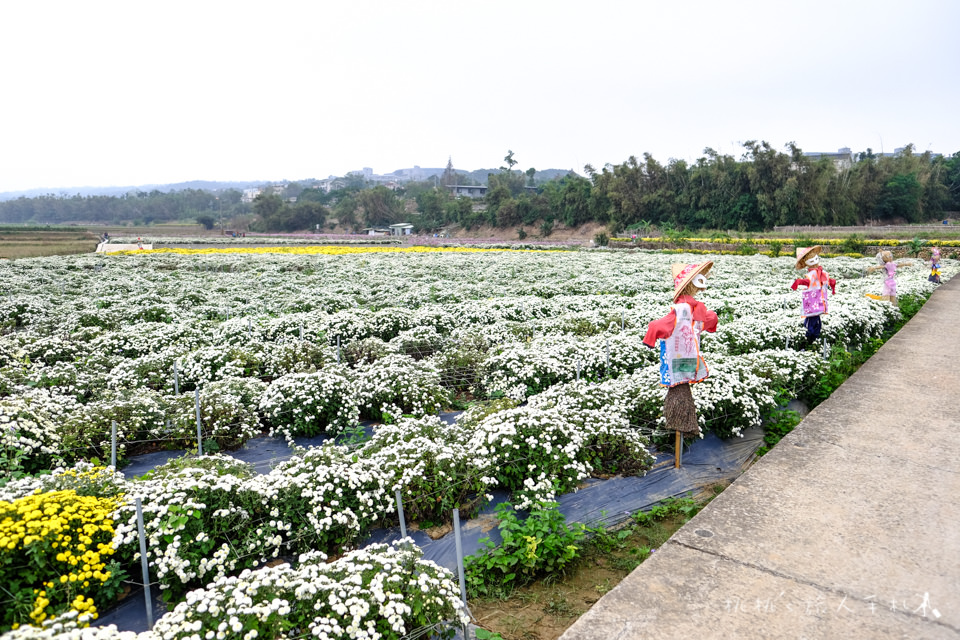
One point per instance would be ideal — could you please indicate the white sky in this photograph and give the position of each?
(135, 92)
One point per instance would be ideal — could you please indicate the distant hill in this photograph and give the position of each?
(478, 176)
(205, 185)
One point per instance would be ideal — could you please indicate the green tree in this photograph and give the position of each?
(901, 198)
(207, 221)
(381, 206)
(266, 205)
(346, 211)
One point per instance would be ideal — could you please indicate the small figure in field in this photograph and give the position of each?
(681, 363)
(889, 268)
(935, 265)
(814, 290)
(139, 243)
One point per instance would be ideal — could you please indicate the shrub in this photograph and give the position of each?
(381, 591)
(333, 494)
(140, 415)
(308, 404)
(203, 520)
(430, 462)
(61, 543)
(398, 385)
(540, 545)
(29, 437)
(853, 243)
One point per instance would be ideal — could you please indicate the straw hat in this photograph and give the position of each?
(684, 273)
(806, 252)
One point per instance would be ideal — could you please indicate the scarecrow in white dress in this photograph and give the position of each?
(681, 363)
(815, 289)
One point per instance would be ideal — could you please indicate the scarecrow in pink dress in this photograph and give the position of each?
(889, 291)
(814, 290)
(889, 267)
(681, 363)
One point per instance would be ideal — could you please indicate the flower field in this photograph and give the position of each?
(542, 347)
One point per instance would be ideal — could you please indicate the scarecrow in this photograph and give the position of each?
(681, 363)
(935, 266)
(813, 290)
(889, 267)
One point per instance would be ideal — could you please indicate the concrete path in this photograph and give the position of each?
(849, 528)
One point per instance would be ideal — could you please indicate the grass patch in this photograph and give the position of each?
(32, 243)
(546, 607)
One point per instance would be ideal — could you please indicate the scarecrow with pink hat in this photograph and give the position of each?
(814, 289)
(681, 363)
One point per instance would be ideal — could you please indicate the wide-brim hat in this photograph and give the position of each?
(805, 252)
(683, 273)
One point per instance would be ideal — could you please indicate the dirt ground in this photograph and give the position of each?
(583, 233)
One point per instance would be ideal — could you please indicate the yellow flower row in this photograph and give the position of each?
(63, 537)
(876, 242)
(316, 250)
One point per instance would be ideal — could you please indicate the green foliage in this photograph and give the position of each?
(853, 243)
(381, 206)
(775, 248)
(916, 245)
(185, 205)
(207, 221)
(483, 634)
(778, 423)
(540, 545)
(601, 239)
(546, 227)
(685, 506)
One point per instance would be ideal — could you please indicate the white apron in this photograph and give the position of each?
(680, 359)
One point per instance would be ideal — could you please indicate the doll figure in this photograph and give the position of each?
(889, 268)
(814, 290)
(681, 363)
(935, 265)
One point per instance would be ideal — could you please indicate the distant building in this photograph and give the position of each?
(249, 195)
(401, 229)
(470, 191)
(842, 159)
(331, 184)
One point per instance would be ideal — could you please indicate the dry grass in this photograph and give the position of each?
(32, 244)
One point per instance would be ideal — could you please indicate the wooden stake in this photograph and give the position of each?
(676, 455)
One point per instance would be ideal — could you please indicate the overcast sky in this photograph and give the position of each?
(139, 92)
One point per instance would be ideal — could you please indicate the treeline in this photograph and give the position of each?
(140, 208)
(763, 189)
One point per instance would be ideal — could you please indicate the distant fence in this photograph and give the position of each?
(948, 223)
